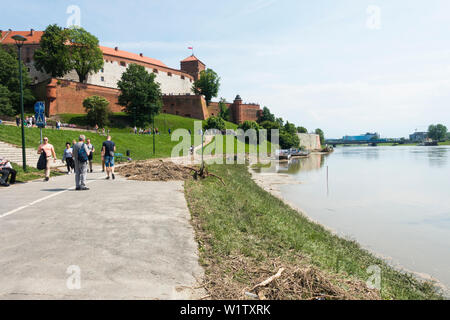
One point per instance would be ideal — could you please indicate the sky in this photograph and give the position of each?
(347, 67)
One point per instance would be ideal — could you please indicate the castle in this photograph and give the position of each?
(66, 95)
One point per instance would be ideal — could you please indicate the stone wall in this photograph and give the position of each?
(310, 142)
(65, 96)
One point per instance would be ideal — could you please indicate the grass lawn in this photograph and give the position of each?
(245, 235)
(141, 146)
(120, 122)
(234, 146)
(31, 174)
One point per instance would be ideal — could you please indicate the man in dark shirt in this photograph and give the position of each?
(108, 151)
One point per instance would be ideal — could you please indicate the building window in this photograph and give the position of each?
(29, 69)
(155, 70)
(102, 79)
(123, 64)
(169, 74)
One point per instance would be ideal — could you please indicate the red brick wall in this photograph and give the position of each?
(191, 106)
(65, 96)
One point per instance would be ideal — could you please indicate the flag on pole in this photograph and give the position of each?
(191, 48)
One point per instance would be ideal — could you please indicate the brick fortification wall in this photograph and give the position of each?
(65, 96)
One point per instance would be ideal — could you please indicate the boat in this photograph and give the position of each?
(284, 155)
(428, 144)
(297, 153)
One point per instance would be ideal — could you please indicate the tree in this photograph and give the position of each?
(269, 126)
(53, 56)
(224, 112)
(248, 125)
(302, 130)
(321, 135)
(290, 127)
(9, 79)
(266, 116)
(6, 107)
(85, 55)
(214, 123)
(208, 85)
(140, 95)
(280, 121)
(288, 140)
(437, 132)
(98, 111)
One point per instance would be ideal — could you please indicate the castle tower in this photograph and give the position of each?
(237, 110)
(193, 66)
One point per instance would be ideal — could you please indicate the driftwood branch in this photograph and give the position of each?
(269, 280)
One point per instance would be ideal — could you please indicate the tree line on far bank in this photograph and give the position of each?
(288, 132)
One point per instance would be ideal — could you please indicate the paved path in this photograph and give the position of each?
(14, 154)
(128, 239)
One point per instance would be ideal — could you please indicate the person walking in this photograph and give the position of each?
(49, 151)
(68, 158)
(109, 150)
(91, 154)
(18, 121)
(81, 158)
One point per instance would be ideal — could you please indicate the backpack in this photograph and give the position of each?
(82, 155)
(42, 162)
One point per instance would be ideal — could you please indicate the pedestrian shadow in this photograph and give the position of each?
(54, 190)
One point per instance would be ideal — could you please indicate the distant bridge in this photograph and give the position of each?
(335, 143)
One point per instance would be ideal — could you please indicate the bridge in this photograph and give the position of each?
(336, 142)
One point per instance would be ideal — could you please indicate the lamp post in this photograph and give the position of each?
(19, 42)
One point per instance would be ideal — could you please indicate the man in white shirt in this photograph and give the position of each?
(6, 170)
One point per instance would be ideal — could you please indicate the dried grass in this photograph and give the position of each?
(155, 170)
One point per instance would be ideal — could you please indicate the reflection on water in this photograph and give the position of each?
(393, 200)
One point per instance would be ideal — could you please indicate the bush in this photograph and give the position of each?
(289, 140)
(214, 123)
(98, 111)
(6, 108)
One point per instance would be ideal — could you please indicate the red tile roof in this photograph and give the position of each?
(192, 58)
(6, 37)
(131, 56)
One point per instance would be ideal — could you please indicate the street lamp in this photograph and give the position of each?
(19, 42)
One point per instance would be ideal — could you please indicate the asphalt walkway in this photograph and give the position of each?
(120, 240)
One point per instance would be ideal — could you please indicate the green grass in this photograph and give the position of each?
(141, 146)
(31, 173)
(120, 122)
(242, 220)
(234, 147)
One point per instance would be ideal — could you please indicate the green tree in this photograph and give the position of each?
(321, 135)
(266, 116)
(437, 132)
(269, 126)
(6, 107)
(302, 130)
(53, 56)
(208, 85)
(140, 95)
(214, 123)
(98, 111)
(248, 125)
(290, 127)
(289, 140)
(224, 112)
(85, 55)
(280, 121)
(9, 79)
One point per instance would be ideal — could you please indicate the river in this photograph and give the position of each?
(394, 201)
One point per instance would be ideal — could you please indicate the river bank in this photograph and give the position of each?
(246, 235)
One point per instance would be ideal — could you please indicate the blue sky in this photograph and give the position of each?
(337, 65)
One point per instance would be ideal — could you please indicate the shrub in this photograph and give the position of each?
(98, 111)
(214, 123)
